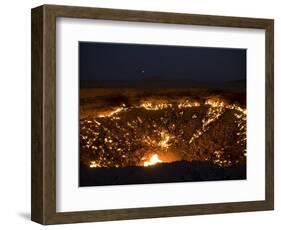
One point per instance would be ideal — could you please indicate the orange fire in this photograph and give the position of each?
(94, 164)
(154, 159)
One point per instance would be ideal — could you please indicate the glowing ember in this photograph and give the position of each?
(111, 113)
(93, 164)
(188, 104)
(212, 115)
(152, 161)
(153, 106)
(165, 138)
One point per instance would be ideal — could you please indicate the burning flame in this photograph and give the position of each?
(111, 113)
(154, 159)
(94, 164)
(153, 106)
(164, 143)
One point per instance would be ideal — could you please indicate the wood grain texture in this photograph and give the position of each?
(44, 114)
(269, 114)
(37, 115)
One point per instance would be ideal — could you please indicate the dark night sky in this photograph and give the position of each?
(113, 61)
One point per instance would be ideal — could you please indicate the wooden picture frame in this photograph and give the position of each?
(43, 208)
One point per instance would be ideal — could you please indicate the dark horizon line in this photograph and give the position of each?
(166, 45)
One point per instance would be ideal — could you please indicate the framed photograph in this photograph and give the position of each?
(141, 114)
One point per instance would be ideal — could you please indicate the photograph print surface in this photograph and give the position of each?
(161, 114)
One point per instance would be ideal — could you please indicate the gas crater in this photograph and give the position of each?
(154, 131)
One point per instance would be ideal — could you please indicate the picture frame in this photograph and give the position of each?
(44, 92)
